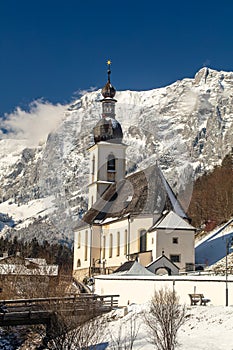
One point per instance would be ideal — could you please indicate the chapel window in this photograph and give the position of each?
(175, 258)
(142, 241)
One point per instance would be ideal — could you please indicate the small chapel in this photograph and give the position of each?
(133, 217)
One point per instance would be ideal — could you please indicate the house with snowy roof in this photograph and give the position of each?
(129, 217)
(17, 265)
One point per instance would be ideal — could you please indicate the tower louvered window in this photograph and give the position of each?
(111, 167)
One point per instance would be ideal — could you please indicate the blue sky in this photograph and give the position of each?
(51, 49)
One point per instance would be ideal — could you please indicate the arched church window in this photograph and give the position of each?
(118, 243)
(79, 240)
(125, 245)
(104, 247)
(142, 241)
(111, 167)
(78, 263)
(86, 245)
(110, 245)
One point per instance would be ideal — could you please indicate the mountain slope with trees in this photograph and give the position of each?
(212, 198)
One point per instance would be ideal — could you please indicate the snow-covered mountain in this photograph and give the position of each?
(186, 126)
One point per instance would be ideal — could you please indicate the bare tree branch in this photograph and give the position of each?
(164, 319)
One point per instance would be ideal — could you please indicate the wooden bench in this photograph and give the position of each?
(204, 300)
(196, 298)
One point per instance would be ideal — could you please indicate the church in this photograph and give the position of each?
(133, 217)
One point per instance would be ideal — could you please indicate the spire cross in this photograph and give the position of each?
(109, 69)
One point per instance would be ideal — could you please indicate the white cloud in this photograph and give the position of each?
(33, 125)
(81, 92)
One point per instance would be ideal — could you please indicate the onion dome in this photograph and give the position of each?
(108, 129)
(108, 90)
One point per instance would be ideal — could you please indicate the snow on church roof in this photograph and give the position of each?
(148, 191)
(175, 203)
(172, 221)
(133, 268)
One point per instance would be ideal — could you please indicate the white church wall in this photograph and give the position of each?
(118, 233)
(141, 289)
(95, 244)
(86, 246)
(82, 239)
(93, 163)
(177, 243)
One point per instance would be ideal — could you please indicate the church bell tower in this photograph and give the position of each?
(107, 155)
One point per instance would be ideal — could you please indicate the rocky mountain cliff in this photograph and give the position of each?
(186, 127)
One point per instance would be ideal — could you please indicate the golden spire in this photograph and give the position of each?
(109, 69)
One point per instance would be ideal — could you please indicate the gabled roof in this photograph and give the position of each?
(172, 221)
(161, 259)
(132, 268)
(125, 267)
(144, 192)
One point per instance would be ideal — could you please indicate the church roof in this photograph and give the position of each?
(133, 268)
(144, 192)
(172, 221)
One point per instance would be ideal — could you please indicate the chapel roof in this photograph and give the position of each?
(161, 259)
(133, 268)
(171, 220)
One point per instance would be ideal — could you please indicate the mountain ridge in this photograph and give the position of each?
(185, 126)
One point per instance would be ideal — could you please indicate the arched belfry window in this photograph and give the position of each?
(111, 167)
(111, 163)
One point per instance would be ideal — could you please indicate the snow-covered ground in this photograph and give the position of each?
(206, 328)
